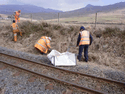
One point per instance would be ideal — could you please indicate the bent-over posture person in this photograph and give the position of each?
(43, 45)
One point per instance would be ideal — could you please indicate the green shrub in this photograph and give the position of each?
(110, 32)
(45, 24)
(62, 31)
(71, 29)
(57, 27)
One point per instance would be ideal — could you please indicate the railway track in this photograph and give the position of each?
(86, 82)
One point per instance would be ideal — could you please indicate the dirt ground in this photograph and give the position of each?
(107, 49)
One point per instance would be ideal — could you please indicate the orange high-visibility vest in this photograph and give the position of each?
(17, 14)
(85, 40)
(43, 44)
(15, 27)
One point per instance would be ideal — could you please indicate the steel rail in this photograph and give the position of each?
(55, 79)
(92, 76)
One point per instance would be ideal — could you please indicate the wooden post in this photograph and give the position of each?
(122, 21)
(31, 17)
(95, 19)
(11, 18)
(58, 18)
(122, 18)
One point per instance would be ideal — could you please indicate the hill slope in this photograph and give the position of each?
(9, 9)
(89, 9)
(39, 12)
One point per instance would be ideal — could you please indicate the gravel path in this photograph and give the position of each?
(14, 81)
(85, 68)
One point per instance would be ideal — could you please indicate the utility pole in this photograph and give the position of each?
(122, 18)
(122, 21)
(12, 18)
(95, 19)
(58, 18)
(31, 17)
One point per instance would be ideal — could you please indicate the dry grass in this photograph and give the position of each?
(112, 40)
(108, 47)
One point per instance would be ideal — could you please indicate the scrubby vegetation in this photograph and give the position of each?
(108, 47)
(108, 40)
(112, 40)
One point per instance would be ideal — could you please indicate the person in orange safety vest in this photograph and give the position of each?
(17, 16)
(84, 40)
(43, 45)
(15, 30)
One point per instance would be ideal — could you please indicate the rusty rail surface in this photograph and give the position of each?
(65, 70)
(74, 72)
(55, 79)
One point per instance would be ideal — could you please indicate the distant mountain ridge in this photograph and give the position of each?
(89, 9)
(39, 12)
(9, 9)
(89, 5)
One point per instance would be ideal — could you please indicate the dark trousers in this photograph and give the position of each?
(40, 51)
(85, 47)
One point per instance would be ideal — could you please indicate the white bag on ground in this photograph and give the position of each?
(62, 59)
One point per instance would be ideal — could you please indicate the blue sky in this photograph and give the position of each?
(63, 5)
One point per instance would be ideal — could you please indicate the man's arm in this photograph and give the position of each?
(91, 39)
(48, 44)
(78, 39)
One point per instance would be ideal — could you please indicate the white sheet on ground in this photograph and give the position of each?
(62, 59)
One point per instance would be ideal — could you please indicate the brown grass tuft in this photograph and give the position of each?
(108, 47)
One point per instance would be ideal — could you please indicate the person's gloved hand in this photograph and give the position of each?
(50, 49)
(76, 45)
(90, 44)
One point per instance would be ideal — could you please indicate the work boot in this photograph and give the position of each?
(21, 34)
(86, 60)
(15, 37)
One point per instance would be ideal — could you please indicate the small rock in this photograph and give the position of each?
(16, 74)
(105, 46)
(2, 68)
(32, 79)
(49, 86)
(2, 91)
(68, 92)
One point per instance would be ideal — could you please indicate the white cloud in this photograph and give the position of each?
(64, 5)
(69, 7)
(78, 1)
